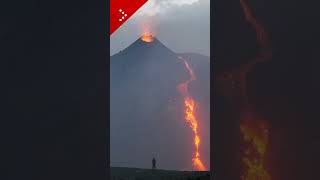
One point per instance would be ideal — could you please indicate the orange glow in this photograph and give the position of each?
(146, 33)
(254, 156)
(147, 38)
(189, 110)
(254, 131)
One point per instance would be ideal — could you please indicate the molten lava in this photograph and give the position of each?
(254, 130)
(147, 31)
(255, 136)
(189, 110)
(146, 37)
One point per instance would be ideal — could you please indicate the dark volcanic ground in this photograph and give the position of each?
(123, 173)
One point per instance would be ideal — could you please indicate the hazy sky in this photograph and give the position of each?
(182, 25)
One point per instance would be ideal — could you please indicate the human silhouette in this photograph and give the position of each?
(154, 163)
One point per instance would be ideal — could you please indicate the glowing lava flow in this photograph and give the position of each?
(189, 109)
(254, 129)
(256, 138)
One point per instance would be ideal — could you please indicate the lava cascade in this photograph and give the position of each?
(190, 118)
(254, 129)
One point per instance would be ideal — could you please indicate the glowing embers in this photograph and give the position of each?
(255, 137)
(146, 37)
(190, 118)
(255, 131)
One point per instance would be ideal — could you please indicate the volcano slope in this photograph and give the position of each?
(147, 118)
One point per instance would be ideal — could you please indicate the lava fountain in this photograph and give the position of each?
(146, 34)
(147, 37)
(190, 118)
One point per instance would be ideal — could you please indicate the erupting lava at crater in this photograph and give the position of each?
(147, 37)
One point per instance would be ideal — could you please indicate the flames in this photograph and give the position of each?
(254, 130)
(189, 110)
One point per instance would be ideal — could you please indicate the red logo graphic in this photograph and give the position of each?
(121, 11)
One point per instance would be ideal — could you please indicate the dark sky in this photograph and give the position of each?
(53, 122)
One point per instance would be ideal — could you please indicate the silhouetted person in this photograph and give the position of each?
(154, 163)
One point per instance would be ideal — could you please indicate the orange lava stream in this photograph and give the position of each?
(254, 130)
(256, 138)
(189, 109)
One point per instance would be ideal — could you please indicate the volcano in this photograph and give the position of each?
(147, 118)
